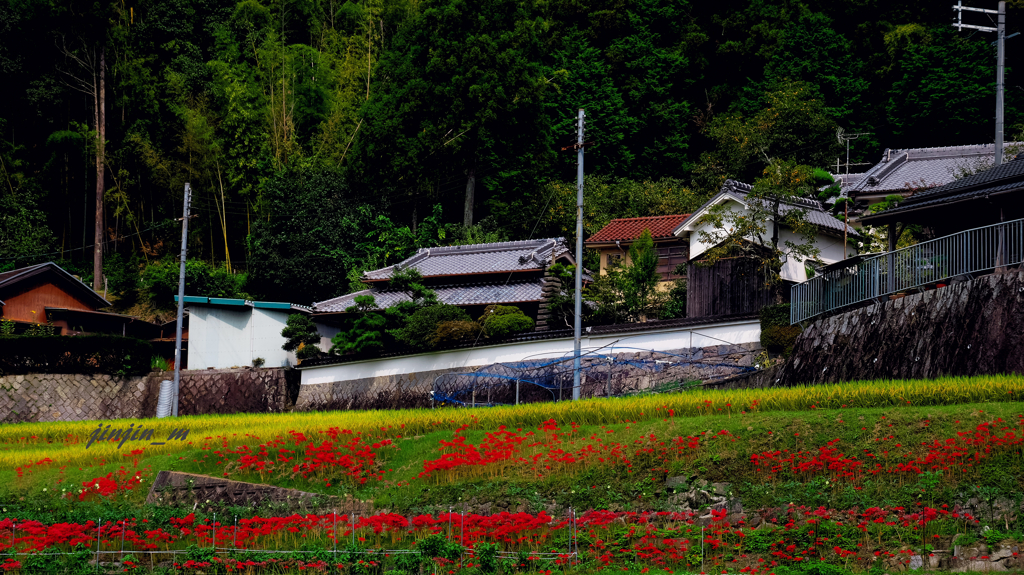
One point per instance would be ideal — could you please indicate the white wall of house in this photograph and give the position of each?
(703, 335)
(793, 269)
(326, 333)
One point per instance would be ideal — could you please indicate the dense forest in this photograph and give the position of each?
(322, 138)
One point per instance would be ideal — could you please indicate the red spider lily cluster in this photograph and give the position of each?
(110, 484)
(344, 452)
(792, 535)
(27, 468)
(950, 457)
(550, 450)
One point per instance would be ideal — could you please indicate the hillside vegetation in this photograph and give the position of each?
(325, 138)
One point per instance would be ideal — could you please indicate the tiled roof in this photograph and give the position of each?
(902, 170)
(628, 229)
(479, 259)
(1006, 177)
(463, 294)
(814, 211)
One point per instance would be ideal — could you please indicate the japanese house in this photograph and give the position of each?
(472, 277)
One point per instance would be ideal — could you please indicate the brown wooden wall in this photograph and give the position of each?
(36, 295)
(731, 286)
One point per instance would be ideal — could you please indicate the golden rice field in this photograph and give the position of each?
(22, 443)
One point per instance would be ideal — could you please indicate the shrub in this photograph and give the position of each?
(777, 336)
(774, 315)
(452, 331)
(675, 307)
(780, 339)
(111, 354)
(422, 325)
(160, 280)
(302, 335)
(501, 321)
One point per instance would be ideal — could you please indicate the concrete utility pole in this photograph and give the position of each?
(1000, 31)
(578, 321)
(181, 299)
(844, 137)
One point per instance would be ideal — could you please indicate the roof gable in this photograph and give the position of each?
(499, 257)
(630, 229)
(738, 192)
(57, 274)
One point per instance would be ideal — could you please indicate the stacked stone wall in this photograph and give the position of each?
(70, 397)
(77, 397)
(967, 328)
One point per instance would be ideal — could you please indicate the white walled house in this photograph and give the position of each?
(828, 238)
(225, 332)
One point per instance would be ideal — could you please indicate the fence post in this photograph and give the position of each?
(517, 392)
(608, 381)
(99, 522)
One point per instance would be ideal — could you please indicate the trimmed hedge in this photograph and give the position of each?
(108, 354)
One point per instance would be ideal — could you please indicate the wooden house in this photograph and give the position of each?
(613, 241)
(46, 293)
(739, 285)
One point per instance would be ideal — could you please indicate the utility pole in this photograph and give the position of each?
(1000, 31)
(578, 321)
(181, 299)
(844, 137)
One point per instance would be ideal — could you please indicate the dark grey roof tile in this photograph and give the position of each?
(463, 294)
(900, 171)
(479, 258)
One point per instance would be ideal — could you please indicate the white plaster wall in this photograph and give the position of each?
(712, 333)
(698, 247)
(831, 252)
(326, 333)
(218, 337)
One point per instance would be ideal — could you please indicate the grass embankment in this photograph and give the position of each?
(889, 419)
(904, 447)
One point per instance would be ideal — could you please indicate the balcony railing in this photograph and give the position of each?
(973, 251)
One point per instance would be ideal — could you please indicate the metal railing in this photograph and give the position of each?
(969, 252)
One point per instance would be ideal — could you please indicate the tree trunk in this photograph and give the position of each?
(467, 214)
(101, 132)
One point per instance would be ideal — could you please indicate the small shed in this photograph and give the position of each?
(227, 332)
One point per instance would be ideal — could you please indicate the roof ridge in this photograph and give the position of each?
(648, 217)
(508, 244)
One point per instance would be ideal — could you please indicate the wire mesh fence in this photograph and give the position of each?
(605, 372)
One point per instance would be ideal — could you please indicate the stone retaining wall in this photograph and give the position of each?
(967, 328)
(76, 397)
(71, 397)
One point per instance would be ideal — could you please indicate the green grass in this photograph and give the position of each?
(859, 418)
(640, 488)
